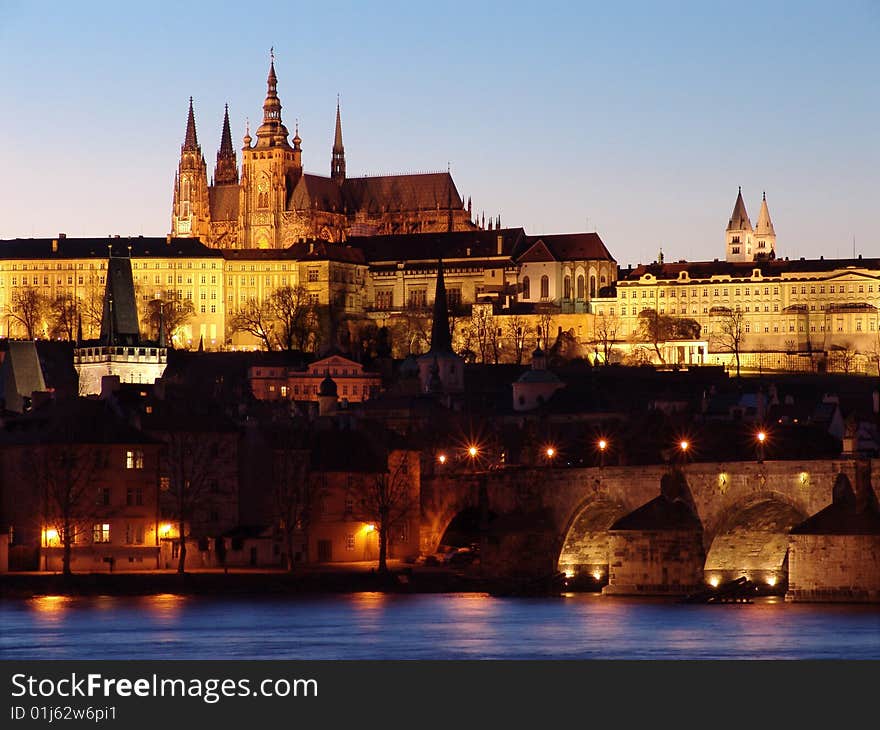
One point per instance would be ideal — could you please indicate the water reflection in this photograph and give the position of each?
(436, 626)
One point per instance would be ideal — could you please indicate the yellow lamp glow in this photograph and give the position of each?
(714, 581)
(762, 437)
(473, 451)
(683, 445)
(551, 452)
(771, 581)
(597, 574)
(369, 528)
(569, 573)
(164, 529)
(603, 444)
(442, 458)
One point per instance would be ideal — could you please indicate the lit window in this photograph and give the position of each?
(101, 532)
(134, 459)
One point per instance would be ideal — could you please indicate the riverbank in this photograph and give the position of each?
(240, 583)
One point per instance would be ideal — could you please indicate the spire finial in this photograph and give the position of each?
(190, 140)
(764, 195)
(271, 54)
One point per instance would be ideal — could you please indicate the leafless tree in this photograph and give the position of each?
(545, 326)
(389, 499)
(874, 351)
(63, 313)
(91, 308)
(655, 328)
(28, 308)
(485, 333)
(64, 473)
(294, 315)
(177, 313)
(295, 493)
(843, 357)
(517, 331)
(256, 318)
(730, 333)
(605, 334)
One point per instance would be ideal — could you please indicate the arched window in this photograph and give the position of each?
(580, 286)
(566, 288)
(545, 287)
(525, 290)
(592, 287)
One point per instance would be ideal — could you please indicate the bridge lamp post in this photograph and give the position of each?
(550, 454)
(683, 447)
(761, 438)
(602, 444)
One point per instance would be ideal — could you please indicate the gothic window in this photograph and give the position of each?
(526, 293)
(580, 286)
(566, 288)
(592, 287)
(545, 287)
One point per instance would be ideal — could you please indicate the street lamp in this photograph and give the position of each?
(602, 444)
(761, 437)
(683, 447)
(441, 459)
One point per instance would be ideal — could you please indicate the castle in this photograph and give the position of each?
(273, 203)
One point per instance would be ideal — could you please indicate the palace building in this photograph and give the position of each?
(271, 202)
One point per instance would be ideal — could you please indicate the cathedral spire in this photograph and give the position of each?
(739, 219)
(765, 225)
(226, 169)
(441, 341)
(190, 141)
(272, 132)
(337, 164)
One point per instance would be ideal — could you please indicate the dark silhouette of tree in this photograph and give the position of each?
(655, 328)
(28, 308)
(294, 316)
(389, 498)
(517, 331)
(176, 312)
(63, 315)
(256, 318)
(605, 335)
(730, 332)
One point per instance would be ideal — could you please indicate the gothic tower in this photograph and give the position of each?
(190, 215)
(337, 164)
(226, 169)
(270, 168)
(739, 233)
(765, 235)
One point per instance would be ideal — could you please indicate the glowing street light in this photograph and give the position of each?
(473, 451)
(761, 437)
(683, 445)
(550, 452)
(602, 444)
(442, 458)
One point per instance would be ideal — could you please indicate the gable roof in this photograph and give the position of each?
(315, 191)
(565, 247)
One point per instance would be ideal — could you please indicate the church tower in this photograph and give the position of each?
(337, 164)
(739, 233)
(440, 369)
(270, 168)
(190, 215)
(226, 169)
(765, 235)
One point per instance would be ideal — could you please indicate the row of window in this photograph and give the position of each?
(725, 291)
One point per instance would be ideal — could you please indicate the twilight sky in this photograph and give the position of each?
(638, 120)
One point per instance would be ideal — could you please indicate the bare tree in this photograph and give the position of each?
(545, 325)
(389, 499)
(843, 357)
(485, 332)
(63, 313)
(176, 313)
(412, 330)
(295, 494)
(874, 351)
(295, 316)
(91, 307)
(64, 473)
(655, 328)
(605, 334)
(730, 333)
(518, 330)
(256, 318)
(28, 308)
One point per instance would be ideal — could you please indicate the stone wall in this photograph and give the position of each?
(834, 568)
(655, 562)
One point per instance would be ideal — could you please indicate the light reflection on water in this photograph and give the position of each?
(438, 626)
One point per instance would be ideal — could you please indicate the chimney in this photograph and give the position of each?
(500, 243)
(54, 245)
(62, 235)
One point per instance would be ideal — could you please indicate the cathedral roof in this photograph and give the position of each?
(315, 191)
(223, 200)
(390, 193)
(739, 219)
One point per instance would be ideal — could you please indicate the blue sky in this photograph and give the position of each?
(638, 120)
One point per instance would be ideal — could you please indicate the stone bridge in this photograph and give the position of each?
(550, 518)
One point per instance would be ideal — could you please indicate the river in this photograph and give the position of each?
(431, 626)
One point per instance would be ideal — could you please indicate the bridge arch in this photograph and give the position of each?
(750, 538)
(583, 549)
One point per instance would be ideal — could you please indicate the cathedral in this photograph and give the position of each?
(271, 203)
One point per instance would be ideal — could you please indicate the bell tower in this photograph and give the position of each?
(190, 214)
(269, 171)
(739, 233)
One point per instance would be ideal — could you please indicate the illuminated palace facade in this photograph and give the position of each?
(791, 309)
(271, 203)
